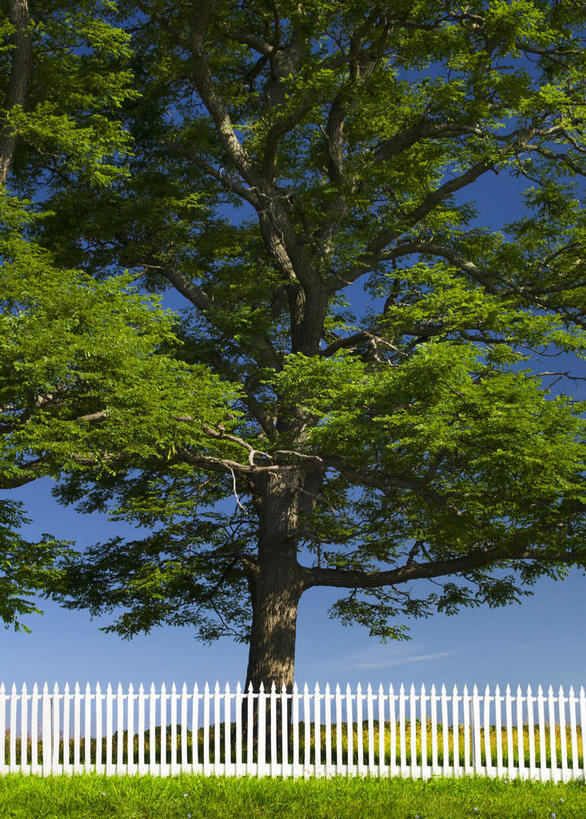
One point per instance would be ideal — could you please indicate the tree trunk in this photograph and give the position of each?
(275, 591)
(20, 70)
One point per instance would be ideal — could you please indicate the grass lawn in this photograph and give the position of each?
(184, 796)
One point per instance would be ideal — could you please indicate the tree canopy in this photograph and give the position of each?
(259, 161)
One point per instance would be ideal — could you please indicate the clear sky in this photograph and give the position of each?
(541, 641)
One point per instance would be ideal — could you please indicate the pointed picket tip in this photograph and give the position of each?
(465, 691)
(529, 690)
(508, 690)
(195, 688)
(540, 691)
(305, 688)
(317, 688)
(433, 689)
(163, 688)
(283, 688)
(173, 688)
(572, 691)
(402, 689)
(206, 688)
(13, 689)
(338, 689)
(561, 691)
(497, 690)
(152, 688)
(184, 688)
(2, 689)
(250, 688)
(369, 688)
(327, 688)
(581, 690)
(348, 689)
(380, 689)
(24, 688)
(412, 689)
(109, 688)
(217, 687)
(550, 691)
(261, 687)
(238, 687)
(227, 688)
(359, 688)
(130, 688)
(55, 688)
(119, 689)
(98, 688)
(273, 687)
(35, 689)
(519, 692)
(444, 689)
(295, 688)
(475, 690)
(45, 688)
(141, 689)
(486, 690)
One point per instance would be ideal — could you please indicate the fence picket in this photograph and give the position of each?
(445, 731)
(562, 723)
(184, 728)
(24, 728)
(424, 765)
(551, 713)
(328, 722)
(339, 762)
(498, 728)
(141, 729)
(369, 696)
(109, 711)
(119, 729)
(572, 706)
(317, 727)
(531, 729)
(61, 731)
(2, 727)
(359, 730)
(413, 721)
(12, 749)
(520, 748)
(456, 730)
(541, 717)
(99, 697)
(34, 729)
(433, 709)
(130, 767)
(174, 697)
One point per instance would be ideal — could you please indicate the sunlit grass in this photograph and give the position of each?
(90, 796)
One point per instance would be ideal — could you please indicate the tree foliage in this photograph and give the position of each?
(263, 160)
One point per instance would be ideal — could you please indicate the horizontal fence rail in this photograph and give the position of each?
(275, 733)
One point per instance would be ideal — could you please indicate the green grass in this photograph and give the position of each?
(90, 795)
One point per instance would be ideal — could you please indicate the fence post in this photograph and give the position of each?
(46, 730)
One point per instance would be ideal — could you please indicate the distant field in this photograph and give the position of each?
(87, 796)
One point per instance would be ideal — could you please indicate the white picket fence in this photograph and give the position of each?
(127, 738)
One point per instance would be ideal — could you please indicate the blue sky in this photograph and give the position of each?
(540, 641)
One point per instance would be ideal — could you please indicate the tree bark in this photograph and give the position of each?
(275, 590)
(20, 70)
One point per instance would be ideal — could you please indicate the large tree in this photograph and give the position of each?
(283, 153)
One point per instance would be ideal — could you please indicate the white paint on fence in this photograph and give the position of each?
(51, 726)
